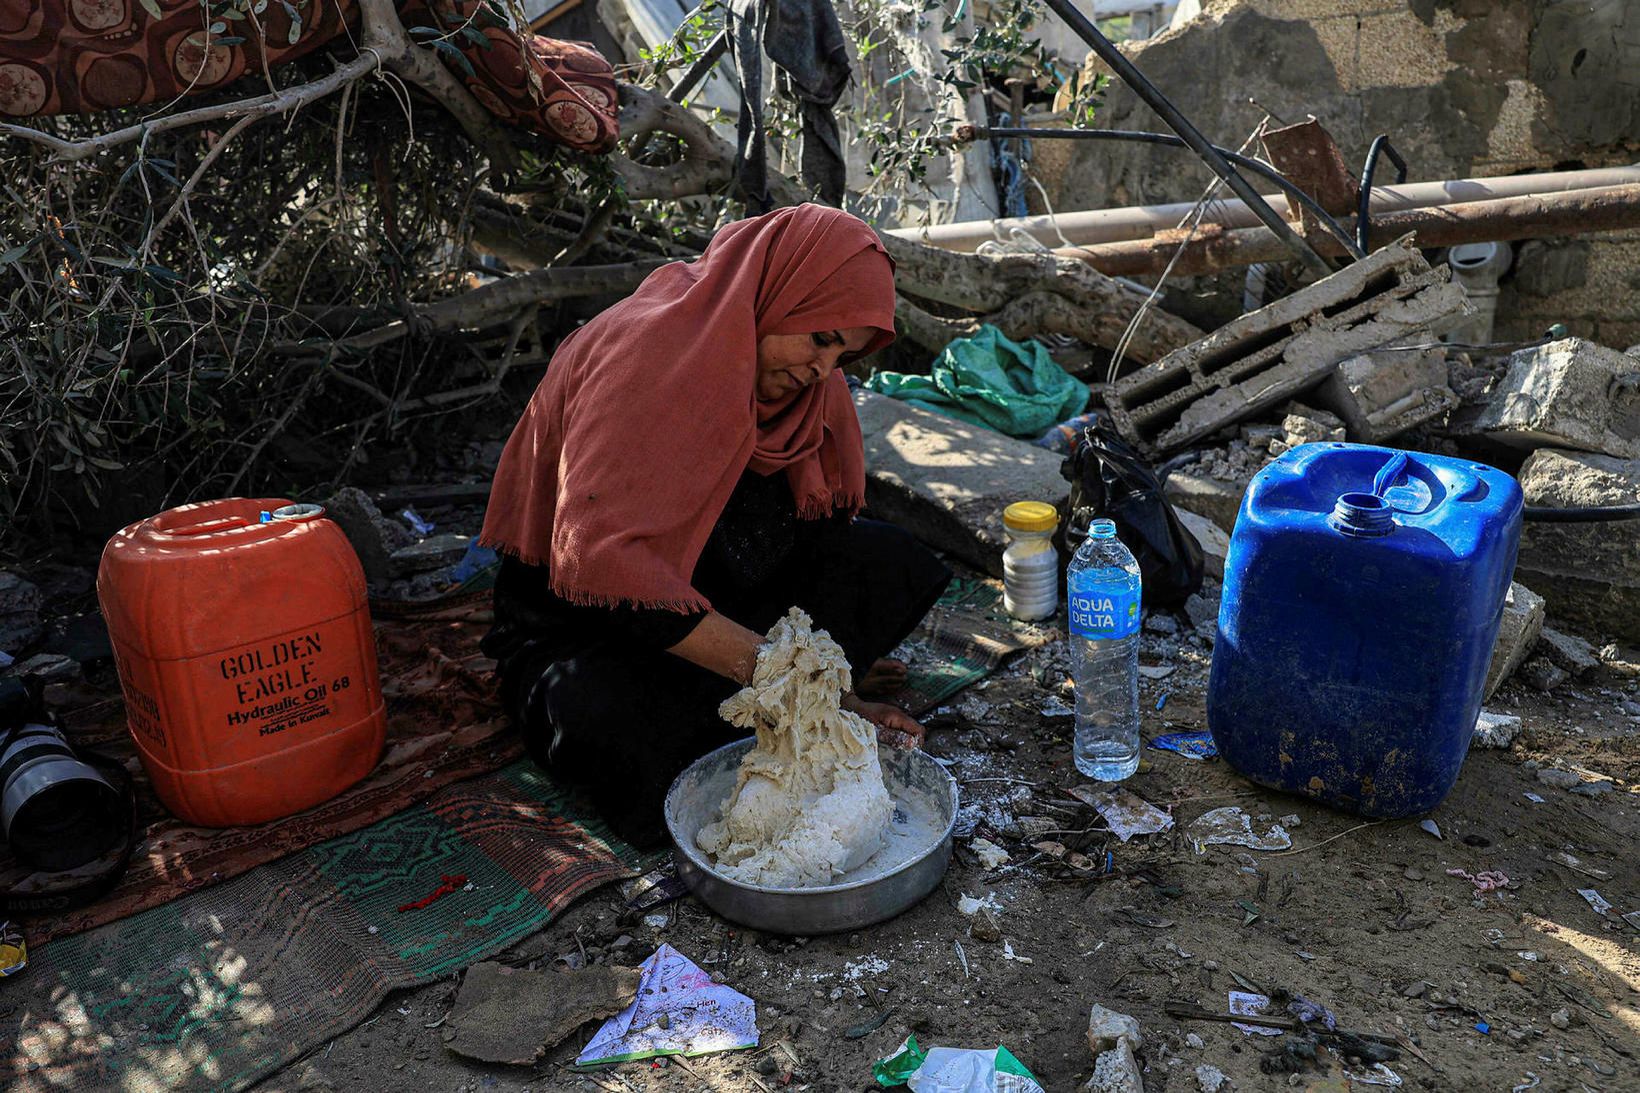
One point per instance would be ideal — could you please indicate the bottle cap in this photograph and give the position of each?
(1030, 516)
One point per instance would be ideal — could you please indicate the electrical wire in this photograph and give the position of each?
(1363, 215)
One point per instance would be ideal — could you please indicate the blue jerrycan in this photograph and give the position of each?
(1362, 597)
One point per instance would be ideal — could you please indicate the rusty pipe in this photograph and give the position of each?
(1574, 212)
(1143, 221)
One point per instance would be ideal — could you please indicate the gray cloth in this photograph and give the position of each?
(805, 40)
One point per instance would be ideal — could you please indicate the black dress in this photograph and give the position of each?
(602, 704)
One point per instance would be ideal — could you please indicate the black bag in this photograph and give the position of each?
(1109, 477)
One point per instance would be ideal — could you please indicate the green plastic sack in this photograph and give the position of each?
(992, 381)
(954, 1070)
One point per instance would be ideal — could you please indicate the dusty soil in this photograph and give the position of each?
(1362, 919)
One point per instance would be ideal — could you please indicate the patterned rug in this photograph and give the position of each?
(442, 726)
(225, 986)
(965, 638)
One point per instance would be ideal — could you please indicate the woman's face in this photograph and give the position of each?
(790, 362)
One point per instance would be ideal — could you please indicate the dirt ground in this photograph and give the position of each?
(1362, 919)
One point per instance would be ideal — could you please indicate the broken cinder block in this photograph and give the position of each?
(1523, 612)
(1381, 395)
(1568, 394)
(1269, 355)
(1590, 572)
(947, 481)
(1569, 651)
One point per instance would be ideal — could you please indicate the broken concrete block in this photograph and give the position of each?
(947, 481)
(1568, 651)
(1214, 542)
(1267, 356)
(1381, 395)
(1523, 612)
(1113, 1037)
(1568, 394)
(434, 552)
(1495, 730)
(1218, 499)
(20, 625)
(1303, 425)
(1590, 572)
(374, 537)
(513, 1015)
(1540, 673)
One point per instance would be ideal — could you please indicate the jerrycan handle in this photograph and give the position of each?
(1389, 474)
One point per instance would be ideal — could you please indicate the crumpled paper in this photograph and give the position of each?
(1126, 812)
(700, 1016)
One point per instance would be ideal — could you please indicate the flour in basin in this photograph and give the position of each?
(809, 802)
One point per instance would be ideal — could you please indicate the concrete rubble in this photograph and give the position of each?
(513, 1015)
(1211, 538)
(1382, 395)
(20, 625)
(1267, 356)
(1569, 652)
(1523, 612)
(1568, 394)
(1589, 572)
(1113, 1037)
(374, 536)
(947, 481)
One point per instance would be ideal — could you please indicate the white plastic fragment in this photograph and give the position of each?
(1231, 826)
(1127, 813)
(1433, 828)
(1378, 1074)
(1595, 900)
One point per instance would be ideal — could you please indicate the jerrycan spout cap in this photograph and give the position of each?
(1362, 515)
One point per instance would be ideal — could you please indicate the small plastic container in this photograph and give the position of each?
(1030, 564)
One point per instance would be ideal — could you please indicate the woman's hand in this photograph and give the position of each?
(895, 727)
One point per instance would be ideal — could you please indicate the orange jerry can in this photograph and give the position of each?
(241, 630)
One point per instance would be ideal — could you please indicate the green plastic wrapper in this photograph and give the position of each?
(991, 381)
(955, 1070)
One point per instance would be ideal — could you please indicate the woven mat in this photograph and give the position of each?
(965, 638)
(219, 989)
(443, 725)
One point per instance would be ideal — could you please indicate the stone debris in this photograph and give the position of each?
(1568, 394)
(947, 481)
(374, 536)
(1209, 489)
(20, 625)
(1569, 652)
(1541, 673)
(1267, 356)
(1590, 572)
(1494, 730)
(1302, 425)
(1210, 1079)
(432, 553)
(1523, 612)
(1210, 537)
(1114, 1037)
(1382, 395)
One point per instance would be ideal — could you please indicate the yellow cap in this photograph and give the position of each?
(1030, 516)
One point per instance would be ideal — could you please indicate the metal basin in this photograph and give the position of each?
(903, 872)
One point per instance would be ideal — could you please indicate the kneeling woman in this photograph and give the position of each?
(690, 468)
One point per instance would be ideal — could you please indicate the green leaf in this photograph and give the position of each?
(218, 27)
(15, 253)
(426, 32)
(235, 40)
(475, 36)
(152, 8)
(449, 50)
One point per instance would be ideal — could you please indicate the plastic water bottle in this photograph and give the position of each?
(1102, 600)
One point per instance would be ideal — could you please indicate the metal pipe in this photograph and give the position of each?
(1610, 208)
(1291, 189)
(697, 72)
(1142, 221)
(1192, 136)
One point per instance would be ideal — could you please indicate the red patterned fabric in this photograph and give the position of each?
(81, 56)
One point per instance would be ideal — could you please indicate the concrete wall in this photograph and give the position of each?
(1463, 87)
